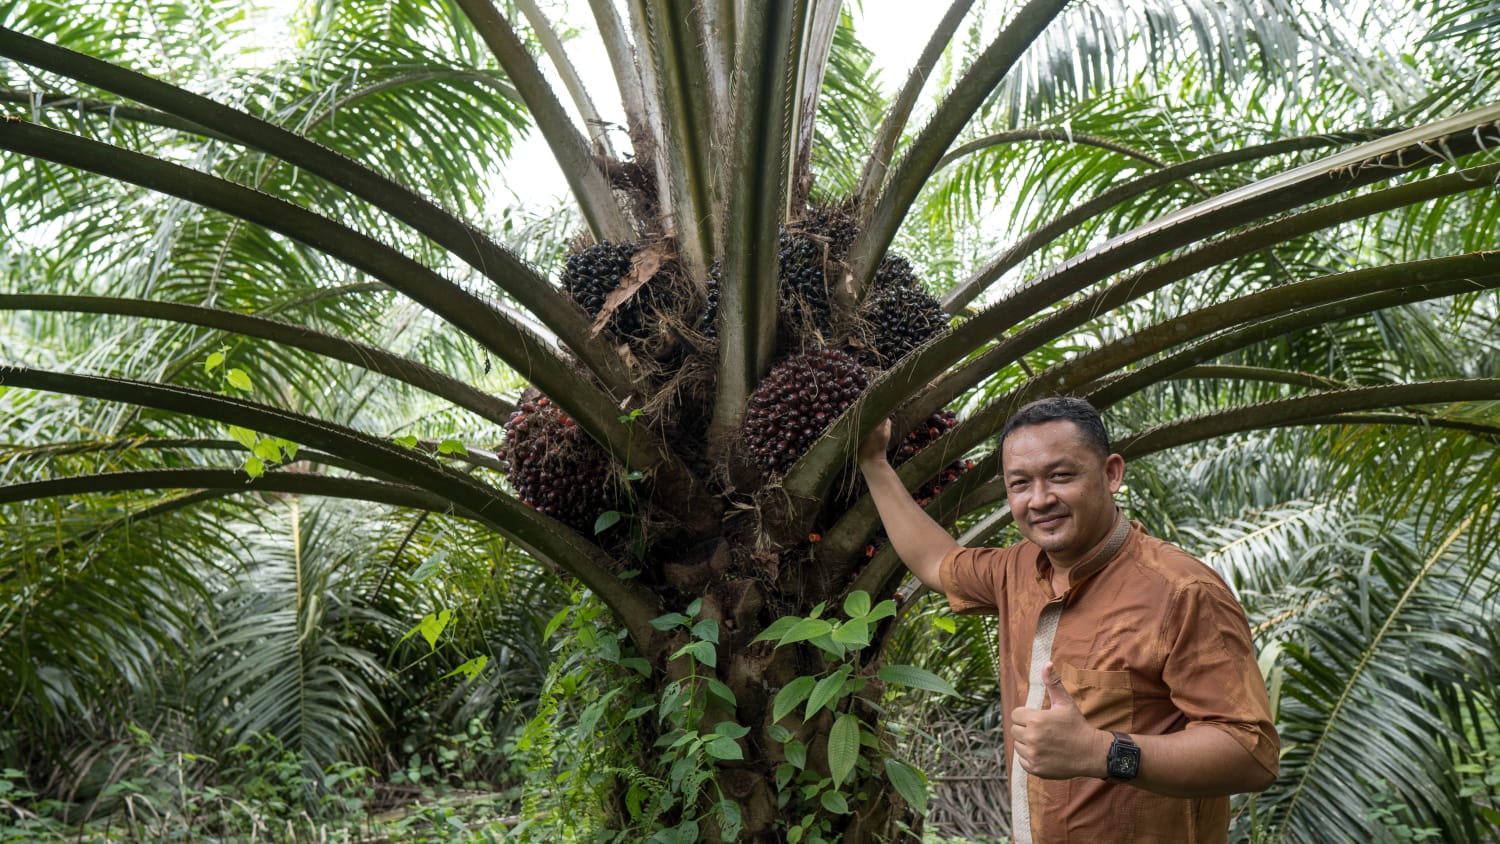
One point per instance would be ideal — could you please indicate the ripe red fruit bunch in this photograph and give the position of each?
(921, 437)
(796, 402)
(555, 467)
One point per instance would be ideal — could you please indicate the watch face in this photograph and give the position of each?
(1123, 762)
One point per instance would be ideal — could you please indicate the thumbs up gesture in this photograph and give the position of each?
(1056, 742)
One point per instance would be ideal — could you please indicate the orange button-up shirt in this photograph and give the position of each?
(1150, 641)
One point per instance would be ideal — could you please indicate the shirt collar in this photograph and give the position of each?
(1106, 551)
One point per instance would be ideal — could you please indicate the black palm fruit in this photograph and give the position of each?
(802, 270)
(590, 275)
(895, 271)
(555, 467)
(796, 402)
(834, 226)
(899, 319)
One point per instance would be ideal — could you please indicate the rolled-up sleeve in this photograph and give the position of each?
(972, 579)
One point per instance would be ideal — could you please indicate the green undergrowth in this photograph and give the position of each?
(261, 791)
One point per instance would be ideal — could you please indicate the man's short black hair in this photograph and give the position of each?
(1075, 410)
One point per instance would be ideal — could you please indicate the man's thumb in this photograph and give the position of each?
(1056, 691)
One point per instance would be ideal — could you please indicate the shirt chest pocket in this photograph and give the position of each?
(1104, 697)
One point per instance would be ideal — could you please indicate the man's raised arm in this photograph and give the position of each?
(919, 540)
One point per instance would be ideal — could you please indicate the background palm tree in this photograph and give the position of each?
(1258, 240)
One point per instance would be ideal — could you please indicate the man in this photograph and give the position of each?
(1135, 703)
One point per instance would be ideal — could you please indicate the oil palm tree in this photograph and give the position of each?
(243, 284)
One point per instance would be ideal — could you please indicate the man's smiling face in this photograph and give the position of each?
(1060, 488)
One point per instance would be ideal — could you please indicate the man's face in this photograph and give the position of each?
(1061, 490)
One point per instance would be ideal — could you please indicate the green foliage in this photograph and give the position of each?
(815, 789)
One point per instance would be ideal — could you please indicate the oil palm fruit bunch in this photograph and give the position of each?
(803, 281)
(833, 225)
(795, 403)
(592, 273)
(895, 271)
(555, 467)
(809, 262)
(919, 438)
(898, 318)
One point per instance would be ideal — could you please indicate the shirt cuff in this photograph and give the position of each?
(1264, 751)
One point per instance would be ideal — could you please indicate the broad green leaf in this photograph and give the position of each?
(731, 729)
(243, 436)
(452, 447)
(704, 652)
(796, 753)
(778, 628)
(916, 678)
(779, 733)
(784, 773)
(884, 609)
(707, 630)
(857, 603)
(638, 665)
(405, 441)
(843, 747)
(718, 690)
(238, 379)
(433, 625)
(471, 668)
(828, 645)
(606, 520)
(804, 629)
(909, 782)
(724, 747)
(826, 691)
(255, 467)
(214, 361)
(791, 695)
(834, 802)
(855, 634)
(945, 623)
(268, 451)
(289, 448)
(670, 620)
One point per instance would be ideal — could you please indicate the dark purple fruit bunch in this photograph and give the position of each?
(899, 319)
(798, 401)
(834, 225)
(802, 265)
(590, 275)
(555, 467)
(895, 271)
(925, 434)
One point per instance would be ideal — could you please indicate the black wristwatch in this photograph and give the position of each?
(1124, 759)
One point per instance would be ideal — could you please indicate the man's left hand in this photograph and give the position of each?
(1057, 743)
